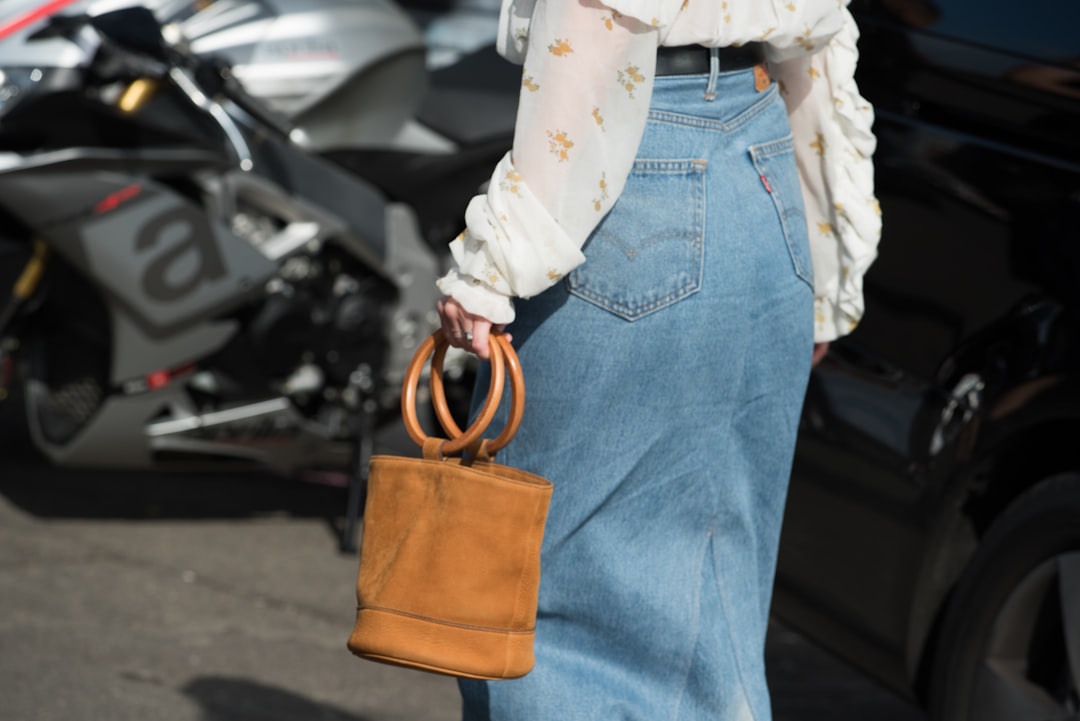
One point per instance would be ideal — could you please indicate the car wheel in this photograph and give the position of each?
(1010, 640)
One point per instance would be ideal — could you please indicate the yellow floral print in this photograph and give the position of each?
(560, 47)
(559, 144)
(587, 140)
(598, 203)
(610, 20)
(630, 78)
(492, 273)
(511, 183)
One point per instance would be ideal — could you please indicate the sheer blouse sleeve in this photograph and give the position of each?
(586, 86)
(584, 65)
(831, 124)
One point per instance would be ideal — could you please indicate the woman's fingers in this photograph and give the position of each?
(465, 330)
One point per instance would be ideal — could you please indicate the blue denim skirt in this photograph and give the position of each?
(664, 381)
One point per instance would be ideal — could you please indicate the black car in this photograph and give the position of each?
(932, 535)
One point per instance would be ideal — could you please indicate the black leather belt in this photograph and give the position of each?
(694, 59)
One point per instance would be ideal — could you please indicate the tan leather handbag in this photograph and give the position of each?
(450, 548)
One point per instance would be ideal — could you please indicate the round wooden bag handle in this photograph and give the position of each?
(503, 359)
(499, 344)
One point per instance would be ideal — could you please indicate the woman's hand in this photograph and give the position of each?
(465, 330)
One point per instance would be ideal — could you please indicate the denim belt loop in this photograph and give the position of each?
(714, 71)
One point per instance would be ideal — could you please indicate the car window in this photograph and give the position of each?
(1039, 29)
(1043, 29)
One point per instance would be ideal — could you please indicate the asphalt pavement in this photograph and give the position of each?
(130, 596)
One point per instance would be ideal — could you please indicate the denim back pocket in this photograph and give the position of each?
(647, 253)
(775, 163)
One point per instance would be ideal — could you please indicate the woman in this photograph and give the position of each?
(669, 159)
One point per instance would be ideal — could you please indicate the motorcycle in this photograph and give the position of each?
(318, 63)
(189, 286)
(407, 95)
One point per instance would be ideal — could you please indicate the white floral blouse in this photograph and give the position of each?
(586, 86)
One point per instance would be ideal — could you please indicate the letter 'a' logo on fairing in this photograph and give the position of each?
(191, 255)
(168, 262)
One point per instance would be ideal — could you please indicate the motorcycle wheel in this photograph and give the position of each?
(1010, 644)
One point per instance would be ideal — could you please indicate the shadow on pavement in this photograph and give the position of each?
(49, 492)
(239, 699)
(807, 683)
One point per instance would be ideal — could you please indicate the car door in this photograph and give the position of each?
(977, 173)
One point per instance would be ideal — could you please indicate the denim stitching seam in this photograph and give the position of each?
(633, 312)
(726, 126)
(759, 153)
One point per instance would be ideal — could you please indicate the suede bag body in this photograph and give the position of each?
(450, 549)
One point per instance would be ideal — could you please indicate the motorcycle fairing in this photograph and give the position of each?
(319, 62)
(177, 268)
(123, 433)
(282, 377)
(19, 16)
(27, 182)
(357, 204)
(155, 252)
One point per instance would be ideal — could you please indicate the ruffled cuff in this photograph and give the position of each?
(512, 248)
(477, 298)
(835, 318)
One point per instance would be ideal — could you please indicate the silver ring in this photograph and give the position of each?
(461, 334)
